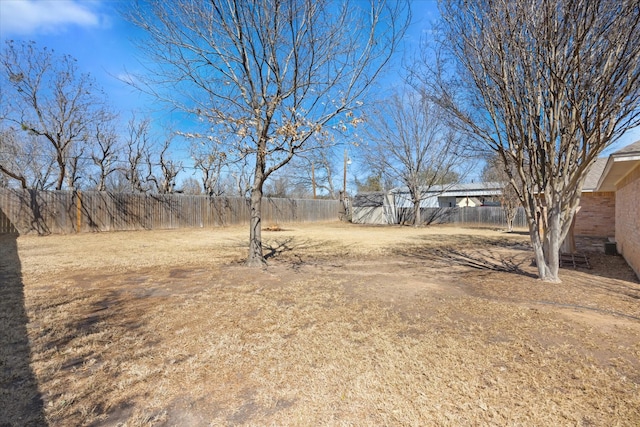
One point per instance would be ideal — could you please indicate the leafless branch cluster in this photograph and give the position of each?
(270, 74)
(545, 84)
(49, 100)
(410, 142)
(497, 171)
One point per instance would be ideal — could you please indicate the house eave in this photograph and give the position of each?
(618, 166)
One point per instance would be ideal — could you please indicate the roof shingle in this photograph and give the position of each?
(594, 174)
(631, 148)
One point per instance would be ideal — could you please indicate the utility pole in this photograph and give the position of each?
(347, 161)
(344, 198)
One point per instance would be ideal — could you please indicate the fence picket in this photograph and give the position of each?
(47, 212)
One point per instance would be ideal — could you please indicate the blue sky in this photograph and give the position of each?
(94, 32)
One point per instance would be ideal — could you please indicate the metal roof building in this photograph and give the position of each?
(439, 196)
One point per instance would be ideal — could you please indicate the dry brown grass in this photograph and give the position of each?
(349, 325)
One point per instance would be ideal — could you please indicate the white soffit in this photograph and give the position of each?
(616, 169)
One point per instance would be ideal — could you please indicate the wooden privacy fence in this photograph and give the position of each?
(482, 215)
(59, 212)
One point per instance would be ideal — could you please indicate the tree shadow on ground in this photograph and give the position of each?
(22, 403)
(298, 251)
(278, 247)
(465, 241)
(479, 259)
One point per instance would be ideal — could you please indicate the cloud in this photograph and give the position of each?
(27, 17)
(128, 78)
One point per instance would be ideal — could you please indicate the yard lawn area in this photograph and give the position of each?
(349, 325)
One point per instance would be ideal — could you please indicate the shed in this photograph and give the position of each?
(370, 208)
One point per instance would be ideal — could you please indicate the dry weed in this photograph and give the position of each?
(347, 326)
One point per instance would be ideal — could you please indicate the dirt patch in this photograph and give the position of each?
(347, 325)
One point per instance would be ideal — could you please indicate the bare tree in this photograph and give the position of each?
(50, 99)
(137, 169)
(209, 160)
(239, 178)
(169, 170)
(496, 171)
(146, 169)
(274, 73)
(322, 170)
(192, 186)
(547, 85)
(105, 152)
(11, 154)
(77, 162)
(372, 183)
(23, 158)
(279, 187)
(409, 142)
(315, 171)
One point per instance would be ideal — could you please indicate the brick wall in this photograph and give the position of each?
(628, 218)
(597, 215)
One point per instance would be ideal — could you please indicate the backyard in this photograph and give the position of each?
(348, 325)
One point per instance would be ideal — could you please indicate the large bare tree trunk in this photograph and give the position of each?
(553, 239)
(538, 251)
(510, 219)
(256, 257)
(61, 174)
(417, 218)
(546, 240)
